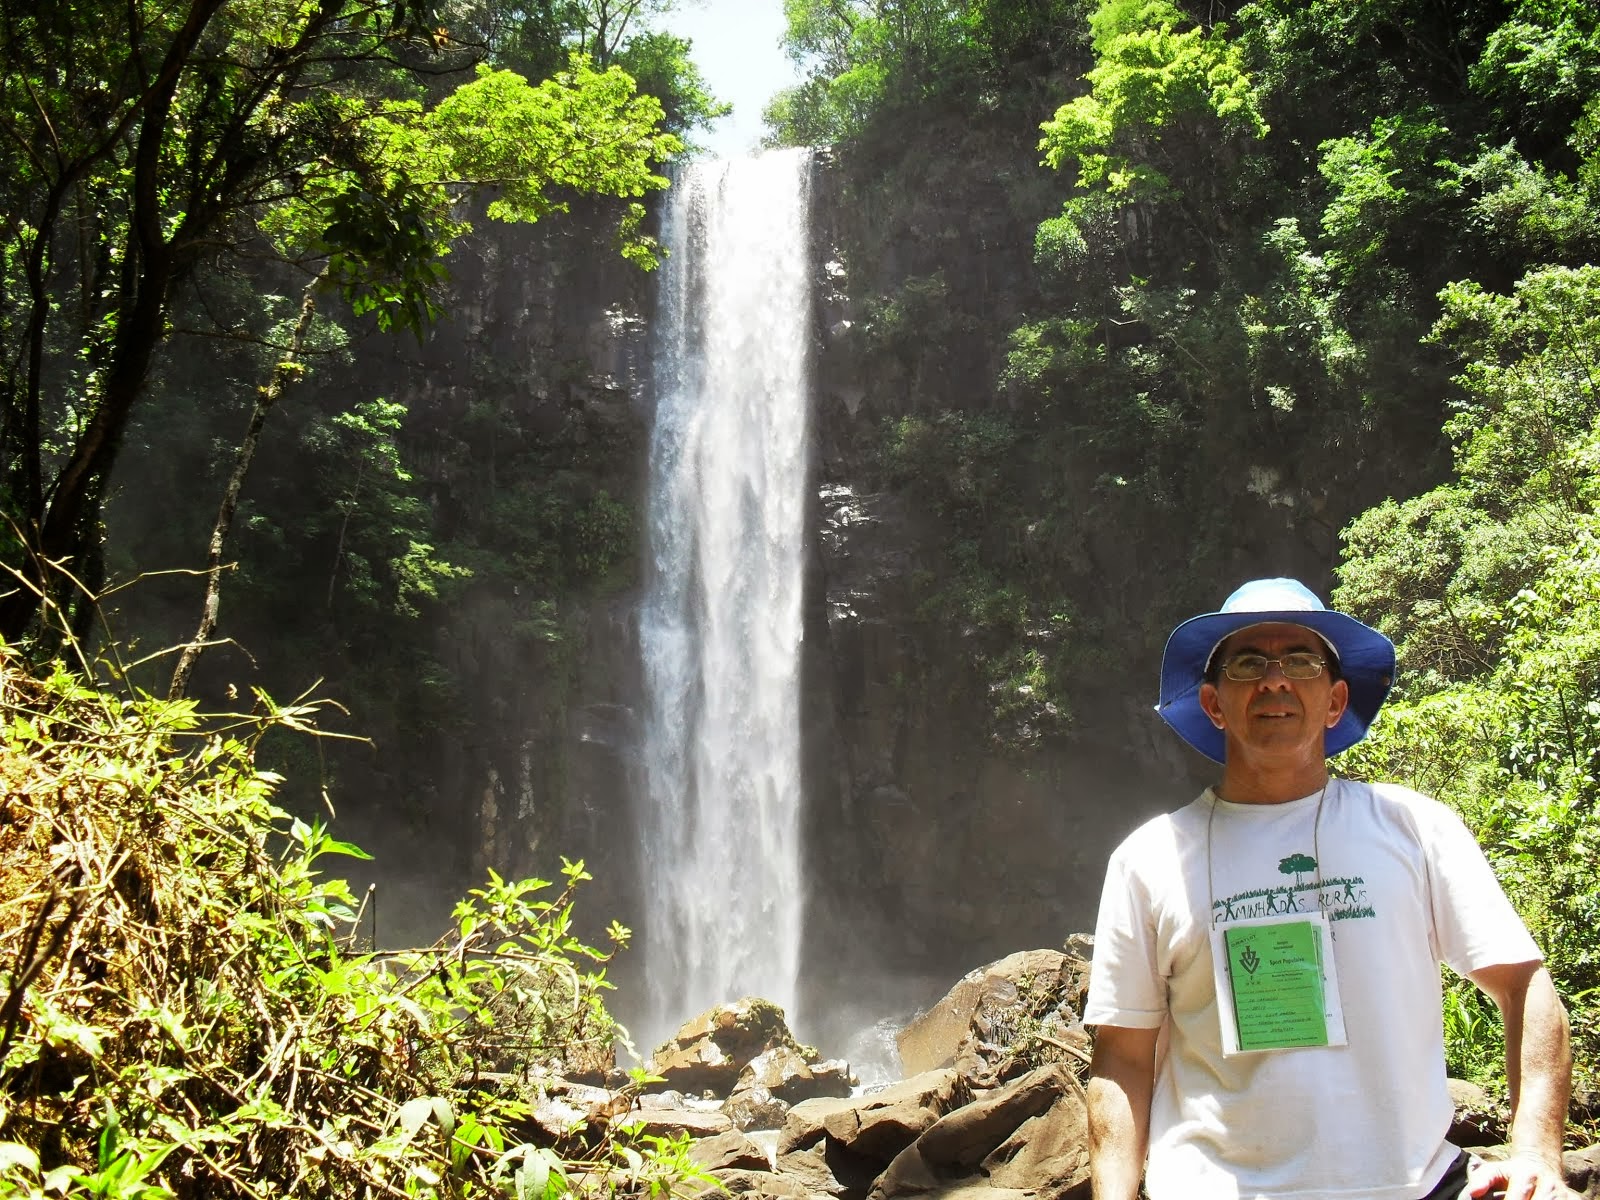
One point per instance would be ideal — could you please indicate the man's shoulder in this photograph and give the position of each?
(1403, 805)
(1384, 794)
(1164, 831)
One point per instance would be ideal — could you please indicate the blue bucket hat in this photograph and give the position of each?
(1366, 660)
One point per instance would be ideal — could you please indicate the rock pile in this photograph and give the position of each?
(994, 1108)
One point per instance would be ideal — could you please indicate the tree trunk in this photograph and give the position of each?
(287, 370)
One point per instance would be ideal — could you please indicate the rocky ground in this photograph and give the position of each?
(992, 1107)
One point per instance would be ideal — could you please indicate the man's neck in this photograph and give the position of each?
(1242, 785)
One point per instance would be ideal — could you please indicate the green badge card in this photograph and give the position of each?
(1276, 988)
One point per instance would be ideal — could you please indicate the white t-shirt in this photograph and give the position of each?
(1404, 887)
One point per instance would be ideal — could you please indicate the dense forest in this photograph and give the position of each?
(1130, 300)
(1327, 264)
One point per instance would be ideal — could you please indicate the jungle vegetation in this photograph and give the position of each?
(1293, 263)
(1332, 259)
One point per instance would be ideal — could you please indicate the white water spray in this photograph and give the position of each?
(721, 624)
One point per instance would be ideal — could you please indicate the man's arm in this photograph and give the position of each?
(1539, 1072)
(1121, 1080)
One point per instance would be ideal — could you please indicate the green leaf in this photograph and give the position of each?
(414, 1114)
(14, 1155)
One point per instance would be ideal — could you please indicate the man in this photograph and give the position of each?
(1265, 980)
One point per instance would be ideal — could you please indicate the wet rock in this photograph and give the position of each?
(755, 1108)
(992, 1021)
(709, 1052)
(878, 1126)
(786, 1075)
(730, 1151)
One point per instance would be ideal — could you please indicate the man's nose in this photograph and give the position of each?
(1274, 679)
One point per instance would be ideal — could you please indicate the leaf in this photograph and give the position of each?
(15, 1154)
(350, 849)
(533, 1178)
(414, 1114)
(444, 1115)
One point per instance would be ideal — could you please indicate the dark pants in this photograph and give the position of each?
(1455, 1178)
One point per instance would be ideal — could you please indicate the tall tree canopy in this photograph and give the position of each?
(151, 145)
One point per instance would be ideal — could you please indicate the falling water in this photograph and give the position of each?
(721, 625)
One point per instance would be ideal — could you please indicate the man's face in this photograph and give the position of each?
(1274, 720)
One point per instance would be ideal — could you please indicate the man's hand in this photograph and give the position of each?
(1539, 1074)
(1520, 1177)
(1122, 1078)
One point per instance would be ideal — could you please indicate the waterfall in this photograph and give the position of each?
(721, 622)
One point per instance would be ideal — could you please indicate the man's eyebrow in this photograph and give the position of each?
(1297, 648)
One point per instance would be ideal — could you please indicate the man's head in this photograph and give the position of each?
(1275, 667)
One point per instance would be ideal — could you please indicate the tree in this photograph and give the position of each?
(1150, 75)
(1297, 865)
(151, 144)
(864, 57)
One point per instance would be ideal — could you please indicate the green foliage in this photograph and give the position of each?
(383, 227)
(374, 520)
(1148, 76)
(1490, 586)
(175, 136)
(661, 66)
(1518, 207)
(1379, 185)
(192, 1014)
(1542, 67)
(863, 59)
(966, 468)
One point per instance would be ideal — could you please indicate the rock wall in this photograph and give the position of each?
(933, 842)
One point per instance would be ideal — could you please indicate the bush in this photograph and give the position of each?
(186, 1011)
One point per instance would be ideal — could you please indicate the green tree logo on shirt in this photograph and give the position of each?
(1297, 865)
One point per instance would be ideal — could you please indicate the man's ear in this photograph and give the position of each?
(1338, 701)
(1210, 705)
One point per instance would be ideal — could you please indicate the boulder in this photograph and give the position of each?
(755, 1108)
(1048, 1155)
(829, 1169)
(667, 1099)
(1030, 1135)
(786, 1075)
(556, 1119)
(1582, 1171)
(670, 1122)
(730, 1151)
(877, 1126)
(708, 1053)
(1027, 993)
(755, 1184)
(1478, 1120)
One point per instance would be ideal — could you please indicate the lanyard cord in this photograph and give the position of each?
(1316, 851)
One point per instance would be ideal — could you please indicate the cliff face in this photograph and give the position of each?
(992, 582)
(983, 615)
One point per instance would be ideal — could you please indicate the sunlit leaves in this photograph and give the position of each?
(1150, 74)
(148, 143)
(1491, 587)
(1378, 182)
(583, 129)
(1532, 380)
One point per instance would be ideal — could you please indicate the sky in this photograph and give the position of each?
(736, 45)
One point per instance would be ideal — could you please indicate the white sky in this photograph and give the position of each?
(737, 47)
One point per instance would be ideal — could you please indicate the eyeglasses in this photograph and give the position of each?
(1247, 668)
